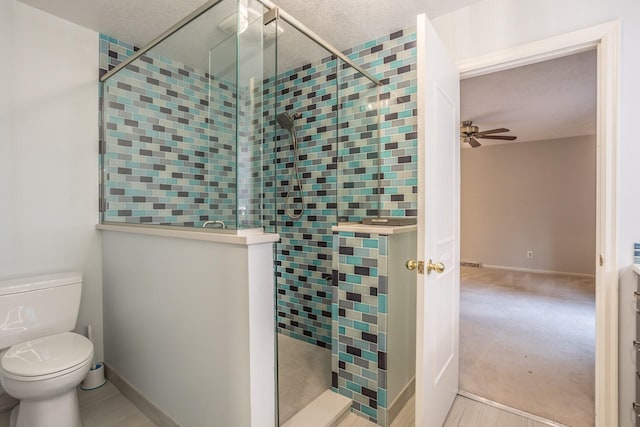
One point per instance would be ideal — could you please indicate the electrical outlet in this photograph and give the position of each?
(529, 254)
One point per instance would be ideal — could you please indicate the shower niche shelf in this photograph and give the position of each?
(391, 221)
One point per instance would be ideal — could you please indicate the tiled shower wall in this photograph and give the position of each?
(170, 141)
(392, 59)
(304, 255)
(359, 350)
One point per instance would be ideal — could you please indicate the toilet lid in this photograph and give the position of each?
(47, 355)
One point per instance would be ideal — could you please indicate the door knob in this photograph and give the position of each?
(438, 267)
(413, 264)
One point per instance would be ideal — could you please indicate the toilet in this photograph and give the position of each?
(42, 362)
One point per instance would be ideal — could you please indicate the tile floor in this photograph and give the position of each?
(304, 372)
(103, 407)
(106, 407)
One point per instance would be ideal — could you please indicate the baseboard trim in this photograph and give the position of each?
(511, 410)
(155, 414)
(533, 270)
(464, 263)
(398, 403)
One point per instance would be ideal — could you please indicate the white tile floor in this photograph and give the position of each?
(103, 407)
(106, 407)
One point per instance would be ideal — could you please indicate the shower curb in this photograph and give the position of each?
(325, 411)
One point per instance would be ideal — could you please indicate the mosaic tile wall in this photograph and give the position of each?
(392, 60)
(359, 352)
(338, 164)
(358, 159)
(304, 255)
(169, 141)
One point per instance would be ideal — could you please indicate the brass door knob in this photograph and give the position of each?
(438, 267)
(412, 265)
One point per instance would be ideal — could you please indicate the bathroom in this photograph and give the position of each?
(222, 284)
(54, 163)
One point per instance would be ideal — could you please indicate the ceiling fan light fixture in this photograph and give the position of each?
(470, 134)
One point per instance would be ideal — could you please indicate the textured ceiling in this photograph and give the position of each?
(547, 100)
(342, 23)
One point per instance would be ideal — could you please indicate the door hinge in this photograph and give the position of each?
(601, 260)
(270, 16)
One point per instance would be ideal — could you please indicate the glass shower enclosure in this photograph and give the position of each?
(240, 119)
(183, 122)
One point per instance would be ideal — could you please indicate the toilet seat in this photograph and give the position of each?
(47, 357)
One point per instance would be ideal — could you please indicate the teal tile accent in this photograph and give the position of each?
(361, 330)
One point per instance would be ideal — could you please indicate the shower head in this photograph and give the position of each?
(285, 121)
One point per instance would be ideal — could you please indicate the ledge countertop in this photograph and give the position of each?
(636, 268)
(246, 237)
(357, 227)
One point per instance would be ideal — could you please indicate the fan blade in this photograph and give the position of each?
(503, 137)
(474, 143)
(499, 130)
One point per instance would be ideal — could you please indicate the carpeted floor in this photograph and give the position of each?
(527, 341)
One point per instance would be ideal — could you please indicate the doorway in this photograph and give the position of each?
(605, 38)
(528, 209)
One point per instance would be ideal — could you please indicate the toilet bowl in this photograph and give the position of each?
(43, 363)
(43, 373)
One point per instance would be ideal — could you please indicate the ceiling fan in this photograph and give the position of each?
(470, 134)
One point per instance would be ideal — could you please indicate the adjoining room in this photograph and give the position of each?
(528, 216)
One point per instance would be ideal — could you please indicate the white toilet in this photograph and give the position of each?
(42, 362)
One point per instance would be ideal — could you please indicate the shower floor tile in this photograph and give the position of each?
(304, 373)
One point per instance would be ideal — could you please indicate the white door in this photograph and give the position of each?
(438, 293)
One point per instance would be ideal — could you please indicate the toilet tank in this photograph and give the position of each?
(38, 306)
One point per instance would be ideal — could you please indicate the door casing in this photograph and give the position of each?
(606, 39)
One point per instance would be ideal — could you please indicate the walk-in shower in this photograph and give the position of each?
(241, 118)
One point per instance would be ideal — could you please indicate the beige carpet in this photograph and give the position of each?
(527, 341)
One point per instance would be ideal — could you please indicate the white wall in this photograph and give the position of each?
(533, 196)
(190, 324)
(509, 23)
(49, 152)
